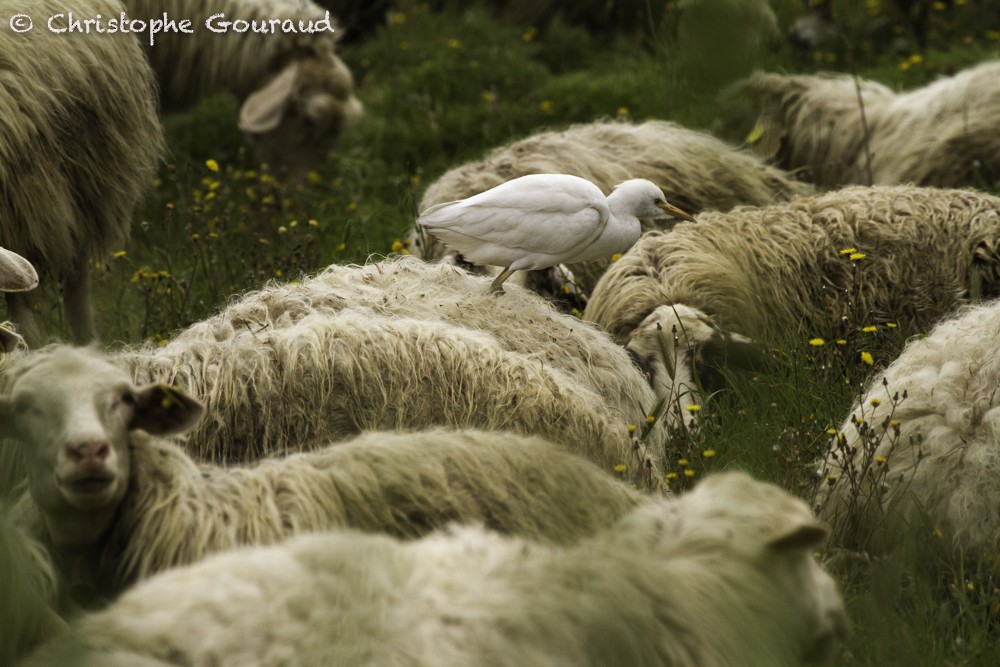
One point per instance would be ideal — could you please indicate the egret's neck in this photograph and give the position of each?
(624, 229)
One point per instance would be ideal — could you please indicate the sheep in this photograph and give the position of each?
(30, 588)
(694, 170)
(724, 575)
(772, 272)
(400, 344)
(135, 504)
(296, 95)
(918, 453)
(80, 142)
(942, 135)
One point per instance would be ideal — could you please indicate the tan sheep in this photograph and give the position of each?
(401, 344)
(120, 505)
(781, 271)
(919, 455)
(839, 131)
(80, 142)
(725, 575)
(296, 94)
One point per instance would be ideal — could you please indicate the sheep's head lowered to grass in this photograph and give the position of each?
(296, 118)
(73, 412)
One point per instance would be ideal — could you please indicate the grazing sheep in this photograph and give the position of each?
(780, 271)
(679, 348)
(296, 94)
(79, 145)
(30, 593)
(694, 170)
(135, 505)
(400, 345)
(943, 134)
(724, 575)
(927, 456)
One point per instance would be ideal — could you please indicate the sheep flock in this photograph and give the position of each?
(713, 448)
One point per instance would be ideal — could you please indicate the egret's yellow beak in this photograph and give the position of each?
(676, 212)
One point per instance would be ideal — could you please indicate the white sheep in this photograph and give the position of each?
(694, 170)
(725, 575)
(80, 142)
(919, 454)
(943, 134)
(135, 504)
(296, 95)
(401, 344)
(788, 270)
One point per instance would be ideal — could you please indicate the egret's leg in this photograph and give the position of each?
(497, 286)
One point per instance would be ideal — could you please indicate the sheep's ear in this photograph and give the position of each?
(765, 138)
(164, 410)
(10, 340)
(16, 273)
(262, 111)
(803, 535)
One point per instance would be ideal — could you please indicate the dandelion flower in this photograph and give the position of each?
(212, 165)
(817, 342)
(682, 462)
(689, 473)
(848, 251)
(631, 428)
(871, 328)
(650, 419)
(867, 358)
(855, 256)
(875, 402)
(880, 459)
(841, 341)
(708, 453)
(831, 431)
(692, 408)
(621, 467)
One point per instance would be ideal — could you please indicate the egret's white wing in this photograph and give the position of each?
(542, 214)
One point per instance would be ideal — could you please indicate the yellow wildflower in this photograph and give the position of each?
(817, 342)
(212, 165)
(867, 358)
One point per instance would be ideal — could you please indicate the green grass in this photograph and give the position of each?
(442, 88)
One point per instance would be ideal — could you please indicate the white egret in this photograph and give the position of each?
(541, 220)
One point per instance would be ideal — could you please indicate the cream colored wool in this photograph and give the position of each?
(943, 134)
(694, 170)
(191, 67)
(80, 142)
(178, 512)
(777, 272)
(400, 344)
(942, 472)
(723, 576)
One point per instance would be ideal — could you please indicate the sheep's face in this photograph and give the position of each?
(295, 119)
(72, 411)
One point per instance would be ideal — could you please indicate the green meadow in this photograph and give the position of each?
(442, 86)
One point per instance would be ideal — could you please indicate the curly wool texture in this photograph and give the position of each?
(80, 139)
(943, 470)
(942, 135)
(779, 270)
(721, 576)
(695, 170)
(399, 344)
(177, 512)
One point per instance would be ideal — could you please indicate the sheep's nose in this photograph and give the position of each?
(93, 452)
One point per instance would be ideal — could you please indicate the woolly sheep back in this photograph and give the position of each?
(942, 135)
(399, 344)
(638, 593)
(940, 471)
(757, 271)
